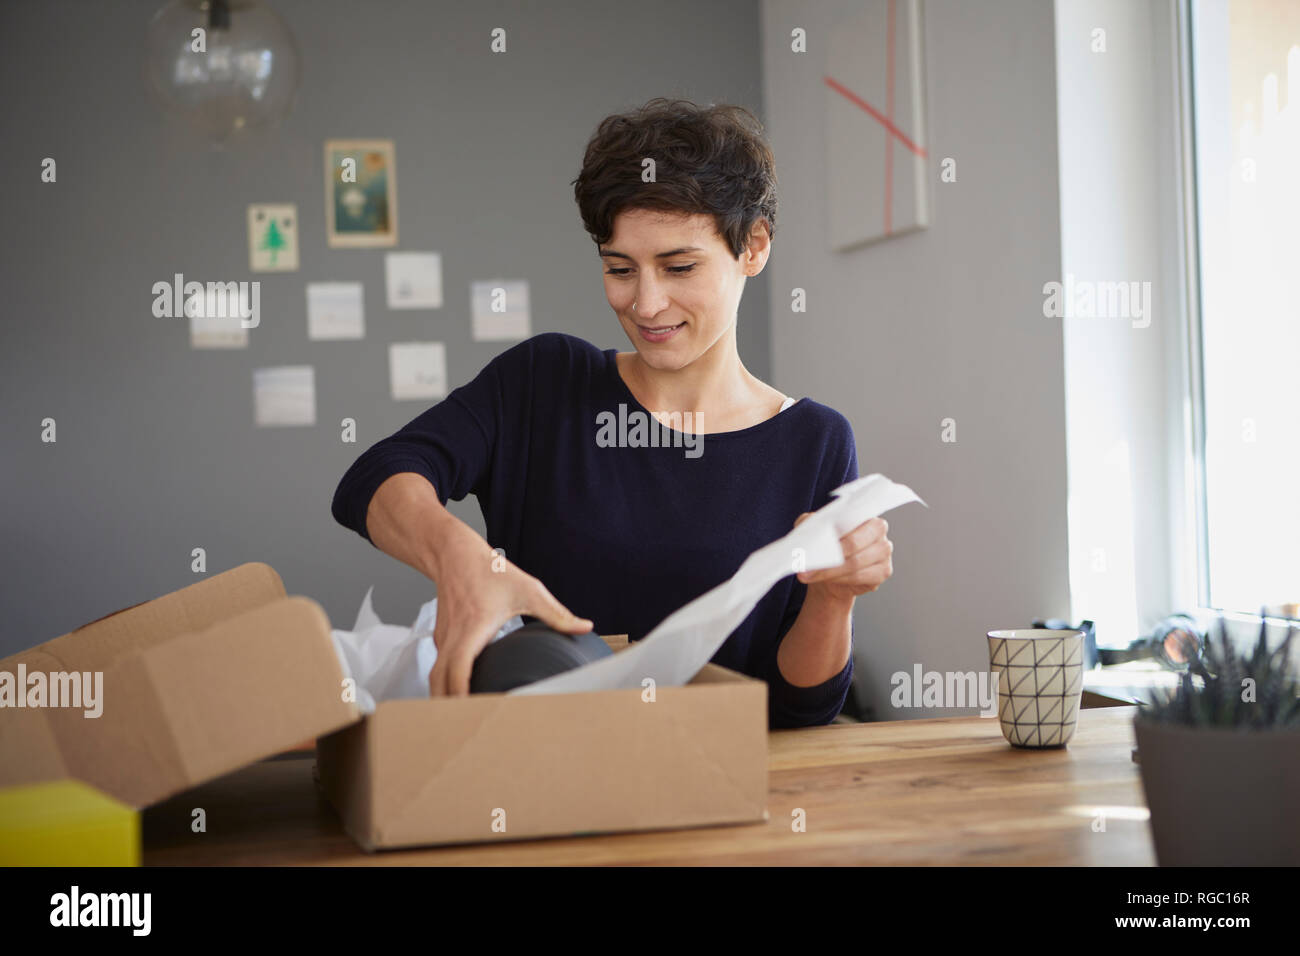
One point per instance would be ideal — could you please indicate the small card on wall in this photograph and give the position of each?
(414, 280)
(335, 310)
(273, 237)
(285, 395)
(417, 370)
(500, 310)
(217, 331)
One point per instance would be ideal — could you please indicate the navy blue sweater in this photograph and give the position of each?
(624, 536)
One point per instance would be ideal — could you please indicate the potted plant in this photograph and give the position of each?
(1220, 759)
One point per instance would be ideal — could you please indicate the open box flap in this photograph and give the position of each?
(196, 683)
(95, 646)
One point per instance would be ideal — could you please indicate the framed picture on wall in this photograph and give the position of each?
(360, 193)
(876, 159)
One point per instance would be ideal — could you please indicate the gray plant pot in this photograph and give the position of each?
(1221, 797)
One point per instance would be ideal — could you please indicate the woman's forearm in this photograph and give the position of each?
(817, 646)
(406, 520)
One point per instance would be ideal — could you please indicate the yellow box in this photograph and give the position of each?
(66, 823)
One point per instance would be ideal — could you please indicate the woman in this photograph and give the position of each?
(594, 502)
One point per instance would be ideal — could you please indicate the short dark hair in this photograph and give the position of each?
(708, 159)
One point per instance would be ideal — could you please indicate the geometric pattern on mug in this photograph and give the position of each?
(1040, 684)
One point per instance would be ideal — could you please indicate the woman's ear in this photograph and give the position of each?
(757, 249)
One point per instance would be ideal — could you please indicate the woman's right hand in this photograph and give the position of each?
(478, 591)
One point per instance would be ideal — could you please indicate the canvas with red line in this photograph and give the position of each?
(876, 160)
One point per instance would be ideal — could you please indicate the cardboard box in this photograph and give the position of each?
(217, 675)
(495, 766)
(195, 684)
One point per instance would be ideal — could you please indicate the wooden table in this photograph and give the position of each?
(948, 791)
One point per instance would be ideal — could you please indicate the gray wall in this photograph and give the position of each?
(157, 453)
(942, 323)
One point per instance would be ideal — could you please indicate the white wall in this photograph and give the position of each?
(946, 322)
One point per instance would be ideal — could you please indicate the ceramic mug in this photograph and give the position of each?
(1040, 684)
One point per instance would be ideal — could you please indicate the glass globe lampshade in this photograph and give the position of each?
(223, 68)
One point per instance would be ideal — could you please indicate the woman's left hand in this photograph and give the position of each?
(868, 562)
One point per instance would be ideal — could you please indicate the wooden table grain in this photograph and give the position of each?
(917, 792)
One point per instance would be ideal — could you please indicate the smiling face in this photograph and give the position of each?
(685, 284)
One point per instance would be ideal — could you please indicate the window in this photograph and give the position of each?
(1245, 110)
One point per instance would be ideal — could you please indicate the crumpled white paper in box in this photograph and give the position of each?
(388, 661)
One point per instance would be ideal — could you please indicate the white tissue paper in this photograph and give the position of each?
(388, 661)
(392, 662)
